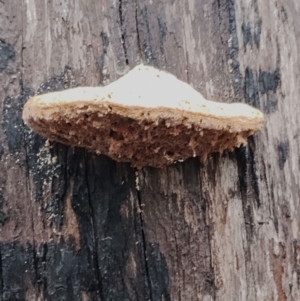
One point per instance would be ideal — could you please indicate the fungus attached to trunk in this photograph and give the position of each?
(147, 117)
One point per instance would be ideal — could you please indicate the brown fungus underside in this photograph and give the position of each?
(141, 132)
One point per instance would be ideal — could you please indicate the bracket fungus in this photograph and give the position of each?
(147, 117)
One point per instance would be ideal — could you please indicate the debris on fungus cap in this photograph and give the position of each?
(147, 117)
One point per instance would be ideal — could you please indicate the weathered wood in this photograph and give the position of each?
(75, 226)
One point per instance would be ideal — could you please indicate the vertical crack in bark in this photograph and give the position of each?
(29, 188)
(247, 207)
(220, 22)
(1, 278)
(176, 250)
(144, 242)
(236, 75)
(27, 183)
(95, 251)
(137, 29)
(122, 31)
(296, 267)
(211, 281)
(22, 42)
(253, 171)
(186, 52)
(187, 68)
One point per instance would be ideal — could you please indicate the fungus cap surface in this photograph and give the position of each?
(147, 117)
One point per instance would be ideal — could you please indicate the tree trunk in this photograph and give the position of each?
(77, 226)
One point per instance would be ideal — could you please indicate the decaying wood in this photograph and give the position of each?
(147, 117)
(76, 226)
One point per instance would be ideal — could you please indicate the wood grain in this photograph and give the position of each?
(74, 226)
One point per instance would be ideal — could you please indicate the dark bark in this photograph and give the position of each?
(76, 226)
